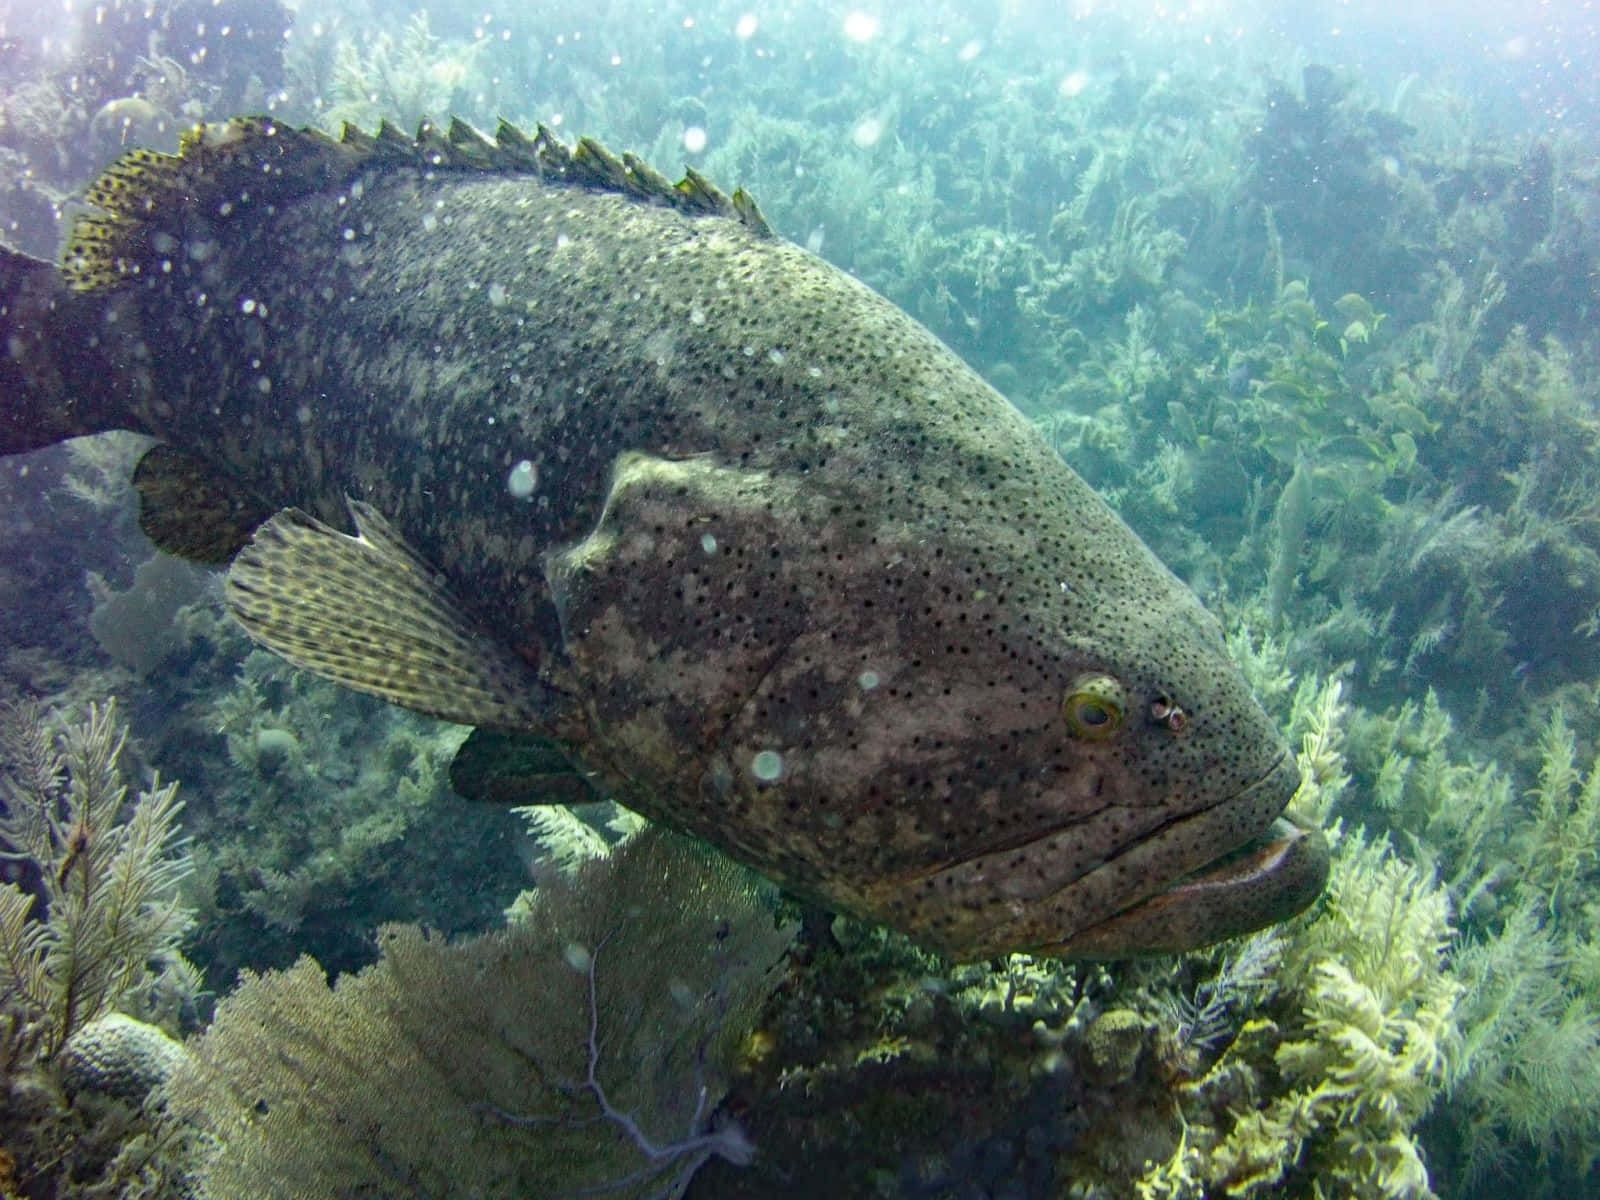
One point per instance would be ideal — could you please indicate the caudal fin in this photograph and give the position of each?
(35, 409)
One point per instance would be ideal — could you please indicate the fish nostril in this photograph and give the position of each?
(1164, 712)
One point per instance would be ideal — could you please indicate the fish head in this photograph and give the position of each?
(1121, 793)
(1065, 761)
(1015, 735)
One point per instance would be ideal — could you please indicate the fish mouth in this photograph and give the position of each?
(1266, 879)
(1231, 868)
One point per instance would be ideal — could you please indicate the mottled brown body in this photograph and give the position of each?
(790, 575)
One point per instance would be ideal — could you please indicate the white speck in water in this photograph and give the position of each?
(745, 28)
(868, 680)
(523, 479)
(578, 957)
(861, 27)
(562, 241)
(970, 51)
(303, 414)
(694, 139)
(497, 294)
(263, 385)
(814, 240)
(348, 235)
(867, 132)
(697, 316)
(163, 243)
(748, 351)
(708, 543)
(775, 357)
(247, 306)
(814, 372)
(767, 766)
(429, 222)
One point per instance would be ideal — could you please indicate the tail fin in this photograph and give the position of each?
(35, 409)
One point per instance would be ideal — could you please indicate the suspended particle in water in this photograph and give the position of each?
(767, 766)
(861, 27)
(523, 479)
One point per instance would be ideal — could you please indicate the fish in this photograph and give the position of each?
(525, 436)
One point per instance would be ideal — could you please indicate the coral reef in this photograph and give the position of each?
(582, 1049)
(118, 1056)
(94, 925)
(313, 805)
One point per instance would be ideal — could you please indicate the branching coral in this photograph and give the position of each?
(316, 799)
(1342, 1079)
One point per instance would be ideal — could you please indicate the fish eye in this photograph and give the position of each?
(1094, 707)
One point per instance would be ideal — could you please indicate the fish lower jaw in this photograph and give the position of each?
(1269, 880)
(1178, 885)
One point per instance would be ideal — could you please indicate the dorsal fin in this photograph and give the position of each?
(250, 163)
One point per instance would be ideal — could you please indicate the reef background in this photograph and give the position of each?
(1313, 301)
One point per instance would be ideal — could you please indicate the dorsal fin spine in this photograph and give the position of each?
(253, 161)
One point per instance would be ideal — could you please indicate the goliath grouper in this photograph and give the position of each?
(662, 502)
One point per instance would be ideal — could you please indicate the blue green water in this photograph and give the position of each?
(1307, 292)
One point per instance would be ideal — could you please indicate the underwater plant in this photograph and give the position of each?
(105, 904)
(93, 927)
(404, 78)
(1323, 1088)
(582, 1049)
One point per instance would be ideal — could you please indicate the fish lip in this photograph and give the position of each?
(1196, 878)
(1268, 877)
(1285, 773)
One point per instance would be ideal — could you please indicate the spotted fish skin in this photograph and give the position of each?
(790, 575)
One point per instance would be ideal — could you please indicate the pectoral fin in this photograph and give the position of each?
(367, 612)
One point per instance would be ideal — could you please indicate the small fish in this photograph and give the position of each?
(528, 437)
